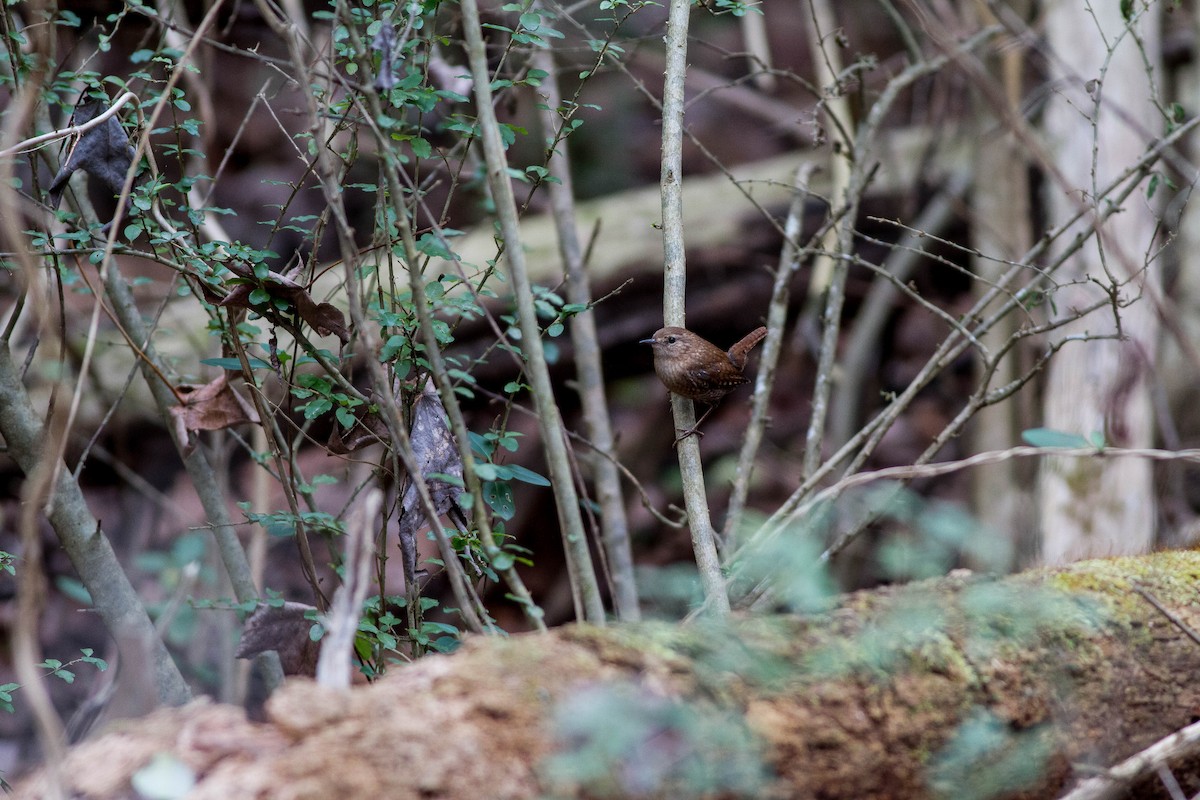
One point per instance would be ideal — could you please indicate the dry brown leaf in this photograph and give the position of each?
(208, 407)
(283, 629)
(324, 318)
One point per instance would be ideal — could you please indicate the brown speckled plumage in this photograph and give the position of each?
(693, 367)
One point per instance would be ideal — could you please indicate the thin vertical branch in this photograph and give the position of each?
(200, 471)
(579, 559)
(330, 182)
(827, 62)
(789, 262)
(334, 665)
(474, 614)
(860, 173)
(758, 47)
(704, 537)
(590, 375)
(36, 494)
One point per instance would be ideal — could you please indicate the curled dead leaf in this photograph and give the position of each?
(284, 629)
(209, 407)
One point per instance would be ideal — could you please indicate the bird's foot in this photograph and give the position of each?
(685, 434)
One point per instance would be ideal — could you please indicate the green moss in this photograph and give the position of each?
(1112, 583)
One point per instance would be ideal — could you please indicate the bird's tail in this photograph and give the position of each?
(739, 352)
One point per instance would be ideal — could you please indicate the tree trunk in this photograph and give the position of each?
(961, 687)
(1101, 107)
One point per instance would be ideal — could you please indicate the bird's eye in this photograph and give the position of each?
(670, 340)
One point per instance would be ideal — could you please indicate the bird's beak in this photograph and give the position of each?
(646, 341)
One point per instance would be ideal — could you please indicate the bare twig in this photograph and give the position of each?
(1173, 618)
(704, 537)
(614, 525)
(334, 665)
(1114, 783)
(52, 136)
(789, 262)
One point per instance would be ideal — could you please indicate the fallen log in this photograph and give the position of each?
(959, 687)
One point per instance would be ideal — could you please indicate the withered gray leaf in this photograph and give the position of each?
(284, 630)
(103, 152)
(385, 44)
(435, 451)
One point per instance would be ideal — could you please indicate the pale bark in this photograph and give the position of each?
(1002, 229)
(1101, 386)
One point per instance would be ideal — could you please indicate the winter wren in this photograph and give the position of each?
(695, 368)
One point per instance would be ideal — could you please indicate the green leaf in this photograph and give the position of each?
(527, 475)
(234, 364)
(1047, 437)
(481, 444)
(499, 497)
(392, 346)
(445, 644)
(317, 407)
(431, 245)
(487, 471)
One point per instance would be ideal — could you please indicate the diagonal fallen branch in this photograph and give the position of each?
(1116, 782)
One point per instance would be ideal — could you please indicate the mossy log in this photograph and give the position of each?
(959, 687)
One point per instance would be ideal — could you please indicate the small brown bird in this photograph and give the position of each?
(695, 368)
